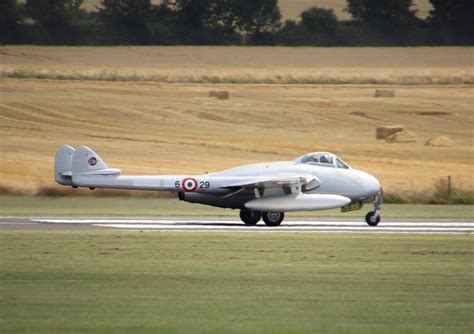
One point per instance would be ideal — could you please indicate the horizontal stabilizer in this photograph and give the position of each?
(87, 162)
(70, 162)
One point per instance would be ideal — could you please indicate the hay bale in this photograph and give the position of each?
(382, 132)
(223, 95)
(404, 136)
(384, 93)
(441, 141)
(219, 94)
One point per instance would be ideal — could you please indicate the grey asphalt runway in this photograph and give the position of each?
(207, 224)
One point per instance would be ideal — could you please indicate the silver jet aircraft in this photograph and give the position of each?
(315, 181)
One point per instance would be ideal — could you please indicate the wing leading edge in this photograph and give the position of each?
(306, 182)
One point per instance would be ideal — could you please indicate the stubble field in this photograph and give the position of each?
(152, 127)
(243, 65)
(150, 113)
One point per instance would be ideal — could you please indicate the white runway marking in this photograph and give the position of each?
(279, 228)
(161, 222)
(223, 224)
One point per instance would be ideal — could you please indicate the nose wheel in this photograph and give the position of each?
(373, 217)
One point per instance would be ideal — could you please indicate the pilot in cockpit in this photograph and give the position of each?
(325, 159)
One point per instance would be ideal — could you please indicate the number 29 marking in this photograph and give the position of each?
(202, 184)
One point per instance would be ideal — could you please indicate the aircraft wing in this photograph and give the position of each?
(269, 196)
(287, 192)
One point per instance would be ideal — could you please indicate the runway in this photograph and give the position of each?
(291, 225)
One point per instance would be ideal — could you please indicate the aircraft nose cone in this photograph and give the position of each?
(371, 184)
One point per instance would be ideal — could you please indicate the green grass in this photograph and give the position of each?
(122, 282)
(26, 205)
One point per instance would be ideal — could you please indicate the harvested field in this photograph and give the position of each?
(149, 128)
(441, 141)
(405, 136)
(382, 132)
(384, 93)
(243, 65)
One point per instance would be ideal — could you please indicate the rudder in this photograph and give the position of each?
(63, 165)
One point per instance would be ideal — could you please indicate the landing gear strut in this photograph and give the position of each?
(373, 217)
(250, 217)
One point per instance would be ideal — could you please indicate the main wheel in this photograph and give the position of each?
(273, 218)
(250, 217)
(371, 219)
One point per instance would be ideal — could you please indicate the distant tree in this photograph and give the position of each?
(318, 27)
(53, 14)
(126, 20)
(162, 25)
(192, 14)
(8, 13)
(197, 21)
(382, 14)
(457, 15)
(194, 20)
(8, 20)
(319, 20)
(258, 19)
(56, 18)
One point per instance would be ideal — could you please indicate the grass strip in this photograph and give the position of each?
(121, 282)
(99, 206)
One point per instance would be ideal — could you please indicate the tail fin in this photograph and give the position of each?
(63, 165)
(87, 162)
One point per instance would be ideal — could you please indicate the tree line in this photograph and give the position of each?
(233, 22)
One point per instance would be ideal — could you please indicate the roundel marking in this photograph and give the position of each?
(92, 161)
(190, 184)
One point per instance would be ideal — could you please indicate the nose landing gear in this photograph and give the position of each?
(373, 217)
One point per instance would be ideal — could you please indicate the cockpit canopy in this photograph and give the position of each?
(322, 159)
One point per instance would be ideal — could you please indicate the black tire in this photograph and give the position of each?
(273, 218)
(250, 217)
(369, 219)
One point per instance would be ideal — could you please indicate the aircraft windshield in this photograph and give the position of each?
(323, 159)
(319, 158)
(341, 164)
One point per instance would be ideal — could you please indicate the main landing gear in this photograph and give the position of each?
(373, 217)
(251, 218)
(273, 218)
